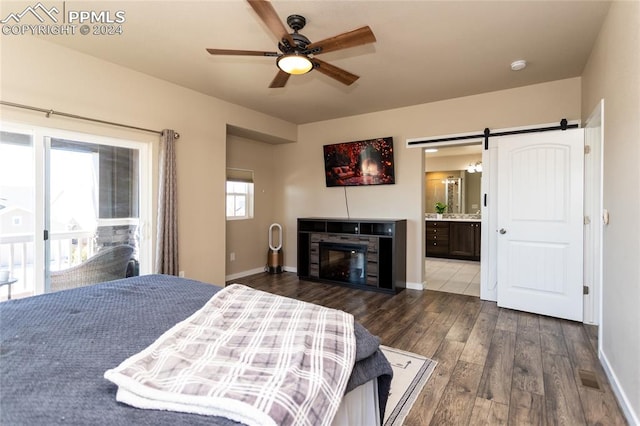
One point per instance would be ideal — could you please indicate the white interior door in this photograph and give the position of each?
(540, 220)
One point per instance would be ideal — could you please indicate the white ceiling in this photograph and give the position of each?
(425, 50)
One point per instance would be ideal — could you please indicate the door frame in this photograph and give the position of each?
(593, 210)
(488, 264)
(41, 137)
(422, 227)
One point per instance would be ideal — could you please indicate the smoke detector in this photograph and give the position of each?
(518, 65)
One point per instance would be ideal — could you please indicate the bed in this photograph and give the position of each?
(55, 349)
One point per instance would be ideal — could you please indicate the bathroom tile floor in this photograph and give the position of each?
(452, 276)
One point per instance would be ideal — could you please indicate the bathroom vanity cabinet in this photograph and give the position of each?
(437, 238)
(453, 239)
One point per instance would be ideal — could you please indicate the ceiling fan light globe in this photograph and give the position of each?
(294, 64)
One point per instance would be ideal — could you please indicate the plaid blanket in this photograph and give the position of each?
(247, 355)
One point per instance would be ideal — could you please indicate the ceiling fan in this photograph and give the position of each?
(298, 53)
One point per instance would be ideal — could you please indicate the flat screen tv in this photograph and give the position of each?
(357, 163)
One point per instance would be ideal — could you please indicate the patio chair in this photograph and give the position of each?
(110, 263)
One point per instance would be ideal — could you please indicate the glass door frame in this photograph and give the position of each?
(41, 139)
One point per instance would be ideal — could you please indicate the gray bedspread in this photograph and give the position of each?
(55, 348)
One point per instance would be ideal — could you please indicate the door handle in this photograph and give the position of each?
(502, 231)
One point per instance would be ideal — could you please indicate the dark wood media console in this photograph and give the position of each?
(370, 254)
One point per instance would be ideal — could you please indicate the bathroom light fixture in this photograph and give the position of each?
(294, 64)
(431, 150)
(473, 168)
(518, 65)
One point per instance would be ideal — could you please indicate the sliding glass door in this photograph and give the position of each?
(18, 208)
(94, 194)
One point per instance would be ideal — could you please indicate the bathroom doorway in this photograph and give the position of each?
(452, 200)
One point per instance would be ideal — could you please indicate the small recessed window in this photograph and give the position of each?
(239, 194)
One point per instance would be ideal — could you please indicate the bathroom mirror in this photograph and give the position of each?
(458, 189)
(452, 177)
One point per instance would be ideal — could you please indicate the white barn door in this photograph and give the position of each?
(540, 221)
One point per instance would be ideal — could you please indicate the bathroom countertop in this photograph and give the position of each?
(446, 219)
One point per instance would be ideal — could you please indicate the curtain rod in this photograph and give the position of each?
(50, 112)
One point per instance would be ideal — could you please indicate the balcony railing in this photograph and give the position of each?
(17, 254)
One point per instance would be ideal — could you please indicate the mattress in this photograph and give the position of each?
(55, 348)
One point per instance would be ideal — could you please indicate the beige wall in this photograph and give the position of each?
(302, 180)
(248, 239)
(613, 74)
(46, 75)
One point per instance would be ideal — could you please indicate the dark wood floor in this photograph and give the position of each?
(495, 365)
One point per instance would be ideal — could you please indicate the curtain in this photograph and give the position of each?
(167, 236)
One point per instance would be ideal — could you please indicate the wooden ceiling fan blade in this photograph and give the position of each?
(343, 76)
(268, 15)
(353, 38)
(280, 80)
(241, 52)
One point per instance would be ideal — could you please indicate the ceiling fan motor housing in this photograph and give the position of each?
(301, 44)
(296, 22)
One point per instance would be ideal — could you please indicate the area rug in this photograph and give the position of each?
(410, 374)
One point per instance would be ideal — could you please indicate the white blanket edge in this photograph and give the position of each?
(223, 407)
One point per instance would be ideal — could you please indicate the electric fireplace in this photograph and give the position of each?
(368, 254)
(342, 262)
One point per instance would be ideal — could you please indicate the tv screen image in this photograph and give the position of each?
(357, 163)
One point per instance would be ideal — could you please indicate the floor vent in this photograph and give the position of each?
(589, 379)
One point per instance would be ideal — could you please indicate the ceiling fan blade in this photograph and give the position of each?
(353, 38)
(268, 14)
(241, 52)
(344, 77)
(280, 79)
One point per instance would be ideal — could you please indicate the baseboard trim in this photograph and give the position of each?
(414, 286)
(621, 396)
(244, 273)
(255, 271)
